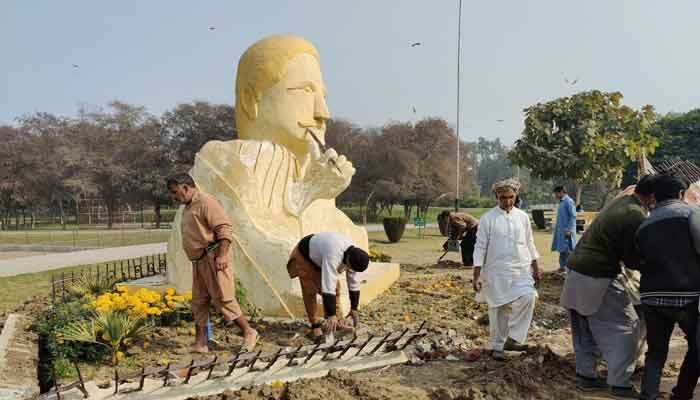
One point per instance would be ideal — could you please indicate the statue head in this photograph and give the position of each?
(280, 93)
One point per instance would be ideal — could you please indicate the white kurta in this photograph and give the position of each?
(504, 249)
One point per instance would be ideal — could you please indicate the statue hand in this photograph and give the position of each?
(328, 173)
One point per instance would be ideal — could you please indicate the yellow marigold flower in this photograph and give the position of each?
(120, 355)
(169, 291)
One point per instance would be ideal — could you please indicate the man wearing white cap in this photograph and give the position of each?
(505, 251)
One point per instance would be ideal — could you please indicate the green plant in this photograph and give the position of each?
(394, 228)
(113, 329)
(92, 284)
(377, 255)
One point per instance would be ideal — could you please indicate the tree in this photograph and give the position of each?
(587, 137)
(48, 159)
(13, 169)
(678, 135)
(190, 125)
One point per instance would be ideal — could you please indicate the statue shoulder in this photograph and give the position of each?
(247, 151)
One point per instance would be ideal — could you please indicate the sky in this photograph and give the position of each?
(515, 53)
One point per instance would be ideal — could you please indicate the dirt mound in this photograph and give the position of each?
(337, 385)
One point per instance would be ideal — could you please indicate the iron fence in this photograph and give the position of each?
(115, 272)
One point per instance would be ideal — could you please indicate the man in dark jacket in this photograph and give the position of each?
(669, 245)
(602, 316)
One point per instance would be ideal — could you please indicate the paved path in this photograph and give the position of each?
(47, 262)
(23, 265)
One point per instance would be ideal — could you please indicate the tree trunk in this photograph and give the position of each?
(77, 212)
(156, 212)
(407, 209)
(364, 211)
(110, 212)
(578, 193)
(63, 214)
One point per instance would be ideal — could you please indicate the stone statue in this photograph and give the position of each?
(274, 182)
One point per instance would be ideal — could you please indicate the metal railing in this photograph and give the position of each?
(115, 271)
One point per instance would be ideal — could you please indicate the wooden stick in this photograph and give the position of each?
(428, 293)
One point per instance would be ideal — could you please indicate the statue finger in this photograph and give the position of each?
(330, 154)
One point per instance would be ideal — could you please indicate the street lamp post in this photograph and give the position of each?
(459, 59)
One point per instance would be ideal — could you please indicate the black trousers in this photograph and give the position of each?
(467, 247)
(660, 324)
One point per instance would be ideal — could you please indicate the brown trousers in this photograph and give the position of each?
(310, 280)
(212, 287)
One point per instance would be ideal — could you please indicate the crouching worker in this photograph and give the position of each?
(206, 237)
(461, 227)
(319, 260)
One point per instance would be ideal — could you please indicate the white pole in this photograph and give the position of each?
(459, 59)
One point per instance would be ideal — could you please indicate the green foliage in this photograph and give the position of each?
(583, 138)
(113, 329)
(377, 255)
(394, 228)
(478, 202)
(679, 136)
(57, 354)
(92, 284)
(241, 293)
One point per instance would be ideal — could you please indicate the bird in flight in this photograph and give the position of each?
(76, 66)
(499, 120)
(414, 110)
(211, 28)
(414, 44)
(575, 81)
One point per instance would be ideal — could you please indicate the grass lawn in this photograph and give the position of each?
(355, 213)
(100, 238)
(85, 238)
(14, 290)
(414, 250)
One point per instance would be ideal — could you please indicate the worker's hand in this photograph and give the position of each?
(221, 263)
(331, 324)
(355, 318)
(567, 232)
(476, 283)
(535, 273)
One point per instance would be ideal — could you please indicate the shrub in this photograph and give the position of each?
(376, 255)
(114, 329)
(394, 228)
(92, 285)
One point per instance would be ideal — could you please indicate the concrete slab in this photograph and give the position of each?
(19, 356)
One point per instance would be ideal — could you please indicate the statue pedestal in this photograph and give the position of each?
(378, 278)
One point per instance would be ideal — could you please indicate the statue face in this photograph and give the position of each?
(296, 103)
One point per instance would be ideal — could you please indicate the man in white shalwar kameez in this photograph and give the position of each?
(505, 270)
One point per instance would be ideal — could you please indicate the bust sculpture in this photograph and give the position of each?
(274, 182)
